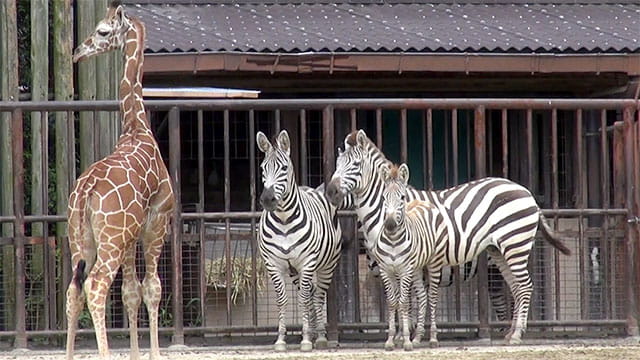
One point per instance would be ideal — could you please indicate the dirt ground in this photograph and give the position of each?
(585, 350)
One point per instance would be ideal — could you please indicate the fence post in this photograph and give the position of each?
(327, 167)
(630, 229)
(176, 231)
(9, 76)
(18, 227)
(479, 129)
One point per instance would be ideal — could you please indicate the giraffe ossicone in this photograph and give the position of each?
(124, 197)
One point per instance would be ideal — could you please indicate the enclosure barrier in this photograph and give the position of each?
(579, 157)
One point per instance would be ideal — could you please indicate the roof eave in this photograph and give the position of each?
(330, 62)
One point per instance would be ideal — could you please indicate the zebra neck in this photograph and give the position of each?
(395, 237)
(290, 201)
(369, 200)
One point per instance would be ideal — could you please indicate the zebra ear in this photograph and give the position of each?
(361, 138)
(263, 143)
(403, 173)
(385, 171)
(283, 141)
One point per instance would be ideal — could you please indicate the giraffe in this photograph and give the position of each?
(117, 200)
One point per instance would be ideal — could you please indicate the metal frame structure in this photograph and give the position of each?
(628, 159)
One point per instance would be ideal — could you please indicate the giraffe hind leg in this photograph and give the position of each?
(75, 304)
(131, 297)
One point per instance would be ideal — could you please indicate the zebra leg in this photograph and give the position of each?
(320, 296)
(421, 298)
(405, 299)
(432, 299)
(277, 278)
(305, 304)
(517, 277)
(391, 290)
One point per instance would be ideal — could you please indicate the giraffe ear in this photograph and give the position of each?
(263, 143)
(283, 141)
(403, 173)
(361, 138)
(385, 171)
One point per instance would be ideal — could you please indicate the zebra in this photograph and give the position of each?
(407, 238)
(489, 211)
(299, 235)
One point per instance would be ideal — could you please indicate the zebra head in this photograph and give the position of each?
(394, 194)
(349, 168)
(277, 170)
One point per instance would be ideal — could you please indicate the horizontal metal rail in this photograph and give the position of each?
(338, 104)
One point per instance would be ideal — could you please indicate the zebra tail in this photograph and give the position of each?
(554, 239)
(79, 275)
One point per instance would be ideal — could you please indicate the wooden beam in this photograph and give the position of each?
(86, 21)
(9, 74)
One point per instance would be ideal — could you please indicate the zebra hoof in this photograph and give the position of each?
(513, 341)
(280, 347)
(389, 345)
(306, 346)
(433, 344)
(416, 340)
(322, 343)
(407, 346)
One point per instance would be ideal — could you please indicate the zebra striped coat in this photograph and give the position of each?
(408, 238)
(299, 235)
(480, 213)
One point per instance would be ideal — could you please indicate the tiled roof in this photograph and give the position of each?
(351, 27)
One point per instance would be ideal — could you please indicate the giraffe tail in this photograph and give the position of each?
(78, 274)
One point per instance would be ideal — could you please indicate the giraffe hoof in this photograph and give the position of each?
(280, 347)
(306, 346)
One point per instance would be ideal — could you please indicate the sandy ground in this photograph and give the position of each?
(585, 350)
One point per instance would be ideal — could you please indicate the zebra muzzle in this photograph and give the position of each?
(268, 199)
(333, 192)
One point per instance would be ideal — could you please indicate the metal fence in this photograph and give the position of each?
(579, 157)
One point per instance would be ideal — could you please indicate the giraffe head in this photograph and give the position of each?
(108, 35)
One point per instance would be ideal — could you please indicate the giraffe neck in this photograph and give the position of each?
(134, 117)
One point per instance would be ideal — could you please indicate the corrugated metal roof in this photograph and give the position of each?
(291, 28)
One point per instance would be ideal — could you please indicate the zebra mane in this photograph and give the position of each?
(352, 140)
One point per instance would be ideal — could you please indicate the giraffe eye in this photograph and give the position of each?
(103, 32)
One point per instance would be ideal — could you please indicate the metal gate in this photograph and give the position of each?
(579, 157)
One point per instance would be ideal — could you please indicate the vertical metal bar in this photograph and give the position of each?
(454, 145)
(632, 246)
(353, 117)
(609, 279)
(304, 172)
(227, 208)
(252, 191)
(403, 136)
(327, 167)
(176, 233)
(529, 135)
(554, 203)
(505, 144)
(429, 149)
(480, 141)
(276, 115)
(18, 228)
(201, 225)
(48, 247)
(379, 128)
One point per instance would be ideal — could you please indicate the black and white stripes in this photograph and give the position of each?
(299, 236)
(492, 213)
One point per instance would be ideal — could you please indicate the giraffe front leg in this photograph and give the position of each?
(153, 240)
(131, 298)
